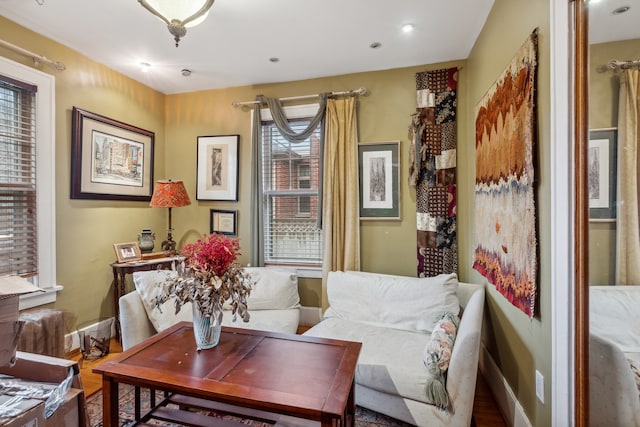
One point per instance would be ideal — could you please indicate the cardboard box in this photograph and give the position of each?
(11, 287)
(35, 367)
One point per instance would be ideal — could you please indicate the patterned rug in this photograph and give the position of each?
(364, 417)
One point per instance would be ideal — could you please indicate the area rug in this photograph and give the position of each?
(364, 417)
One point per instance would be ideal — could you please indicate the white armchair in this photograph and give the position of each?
(274, 305)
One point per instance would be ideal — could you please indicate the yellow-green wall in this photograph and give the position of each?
(519, 345)
(383, 115)
(604, 86)
(87, 229)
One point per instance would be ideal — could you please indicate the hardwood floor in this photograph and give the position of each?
(485, 409)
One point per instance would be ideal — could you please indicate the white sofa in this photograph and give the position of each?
(614, 346)
(274, 305)
(392, 316)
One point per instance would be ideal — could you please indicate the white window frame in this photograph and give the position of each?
(45, 179)
(298, 112)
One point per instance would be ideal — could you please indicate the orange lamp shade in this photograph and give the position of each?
(169, 194)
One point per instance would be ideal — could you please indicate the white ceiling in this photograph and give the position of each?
(605, 26)
(232, 47)
(311, 38)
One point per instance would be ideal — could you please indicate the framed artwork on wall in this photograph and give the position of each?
(110, 160)
(602, 172)
(379, 178)
(217, 171)
(223, 222)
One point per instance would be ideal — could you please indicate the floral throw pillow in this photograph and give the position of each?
(437, 355)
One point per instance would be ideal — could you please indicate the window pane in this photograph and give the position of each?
(290, 196)
(18, 238)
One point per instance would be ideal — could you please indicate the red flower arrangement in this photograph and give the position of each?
(209, 276)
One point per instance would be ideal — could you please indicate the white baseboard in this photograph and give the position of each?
(512, 411)
(72, 340)
(309, 316)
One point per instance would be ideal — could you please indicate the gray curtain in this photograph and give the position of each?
(281, 122)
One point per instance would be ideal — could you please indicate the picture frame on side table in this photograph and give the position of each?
(110, 160)
(379, 180)
(602, 174)
(223, 222)
(217, 170)
(127, 252)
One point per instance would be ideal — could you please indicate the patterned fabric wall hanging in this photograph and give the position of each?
(505, 214)
(432, 171)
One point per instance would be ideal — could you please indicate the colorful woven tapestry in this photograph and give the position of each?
(432, 159)
(505, 214)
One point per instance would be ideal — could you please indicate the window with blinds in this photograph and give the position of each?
(290, 196)
(18, 225)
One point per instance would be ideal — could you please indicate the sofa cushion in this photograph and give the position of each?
(149, 285)
(274, 289)
(613, 315)
(437, 355)
(390, 360)
(408, 303)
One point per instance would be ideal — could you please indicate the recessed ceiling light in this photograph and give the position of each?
(375, 45)
(274, 59)
(145, 67)
(185, 72)
(621, 10)
(407, 28)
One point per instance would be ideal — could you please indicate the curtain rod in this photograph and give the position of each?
(359, 91)
(615, 64)
(37, 59)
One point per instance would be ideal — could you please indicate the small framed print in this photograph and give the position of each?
(126, 252)
(223, 222)
(217, 171)
(601, 174)
(379, 176)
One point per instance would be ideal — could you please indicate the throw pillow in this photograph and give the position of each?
(149, 284)
(385, 300)
(274, 289)
(437, 355)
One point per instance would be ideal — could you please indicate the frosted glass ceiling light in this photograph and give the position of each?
(179, 15)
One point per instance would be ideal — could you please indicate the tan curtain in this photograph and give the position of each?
(340, 216)
(628, 226)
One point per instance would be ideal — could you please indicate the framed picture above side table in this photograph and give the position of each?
(217, 172)
(223, 222)
(110, 160)
(379, 177)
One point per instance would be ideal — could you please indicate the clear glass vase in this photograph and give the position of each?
(207, 325)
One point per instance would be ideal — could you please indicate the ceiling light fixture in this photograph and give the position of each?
(407, 28)
(145, 67)
(178, 15)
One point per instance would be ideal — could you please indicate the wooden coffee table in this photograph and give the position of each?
(273, 377)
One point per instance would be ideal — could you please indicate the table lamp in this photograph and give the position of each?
(169, 194)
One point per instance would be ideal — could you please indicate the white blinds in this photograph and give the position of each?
(18, 237)
(290, 196)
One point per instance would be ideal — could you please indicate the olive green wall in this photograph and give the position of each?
(519, 345)
(604, 87)
(87, 229)
(383, 115)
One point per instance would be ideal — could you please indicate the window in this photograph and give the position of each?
(27, 180)
(290, 186)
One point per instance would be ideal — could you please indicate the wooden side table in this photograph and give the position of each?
(120, 271)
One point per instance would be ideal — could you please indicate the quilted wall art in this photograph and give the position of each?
(432, 171)
(505, 213)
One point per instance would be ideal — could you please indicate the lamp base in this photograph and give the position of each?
(168, 245)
